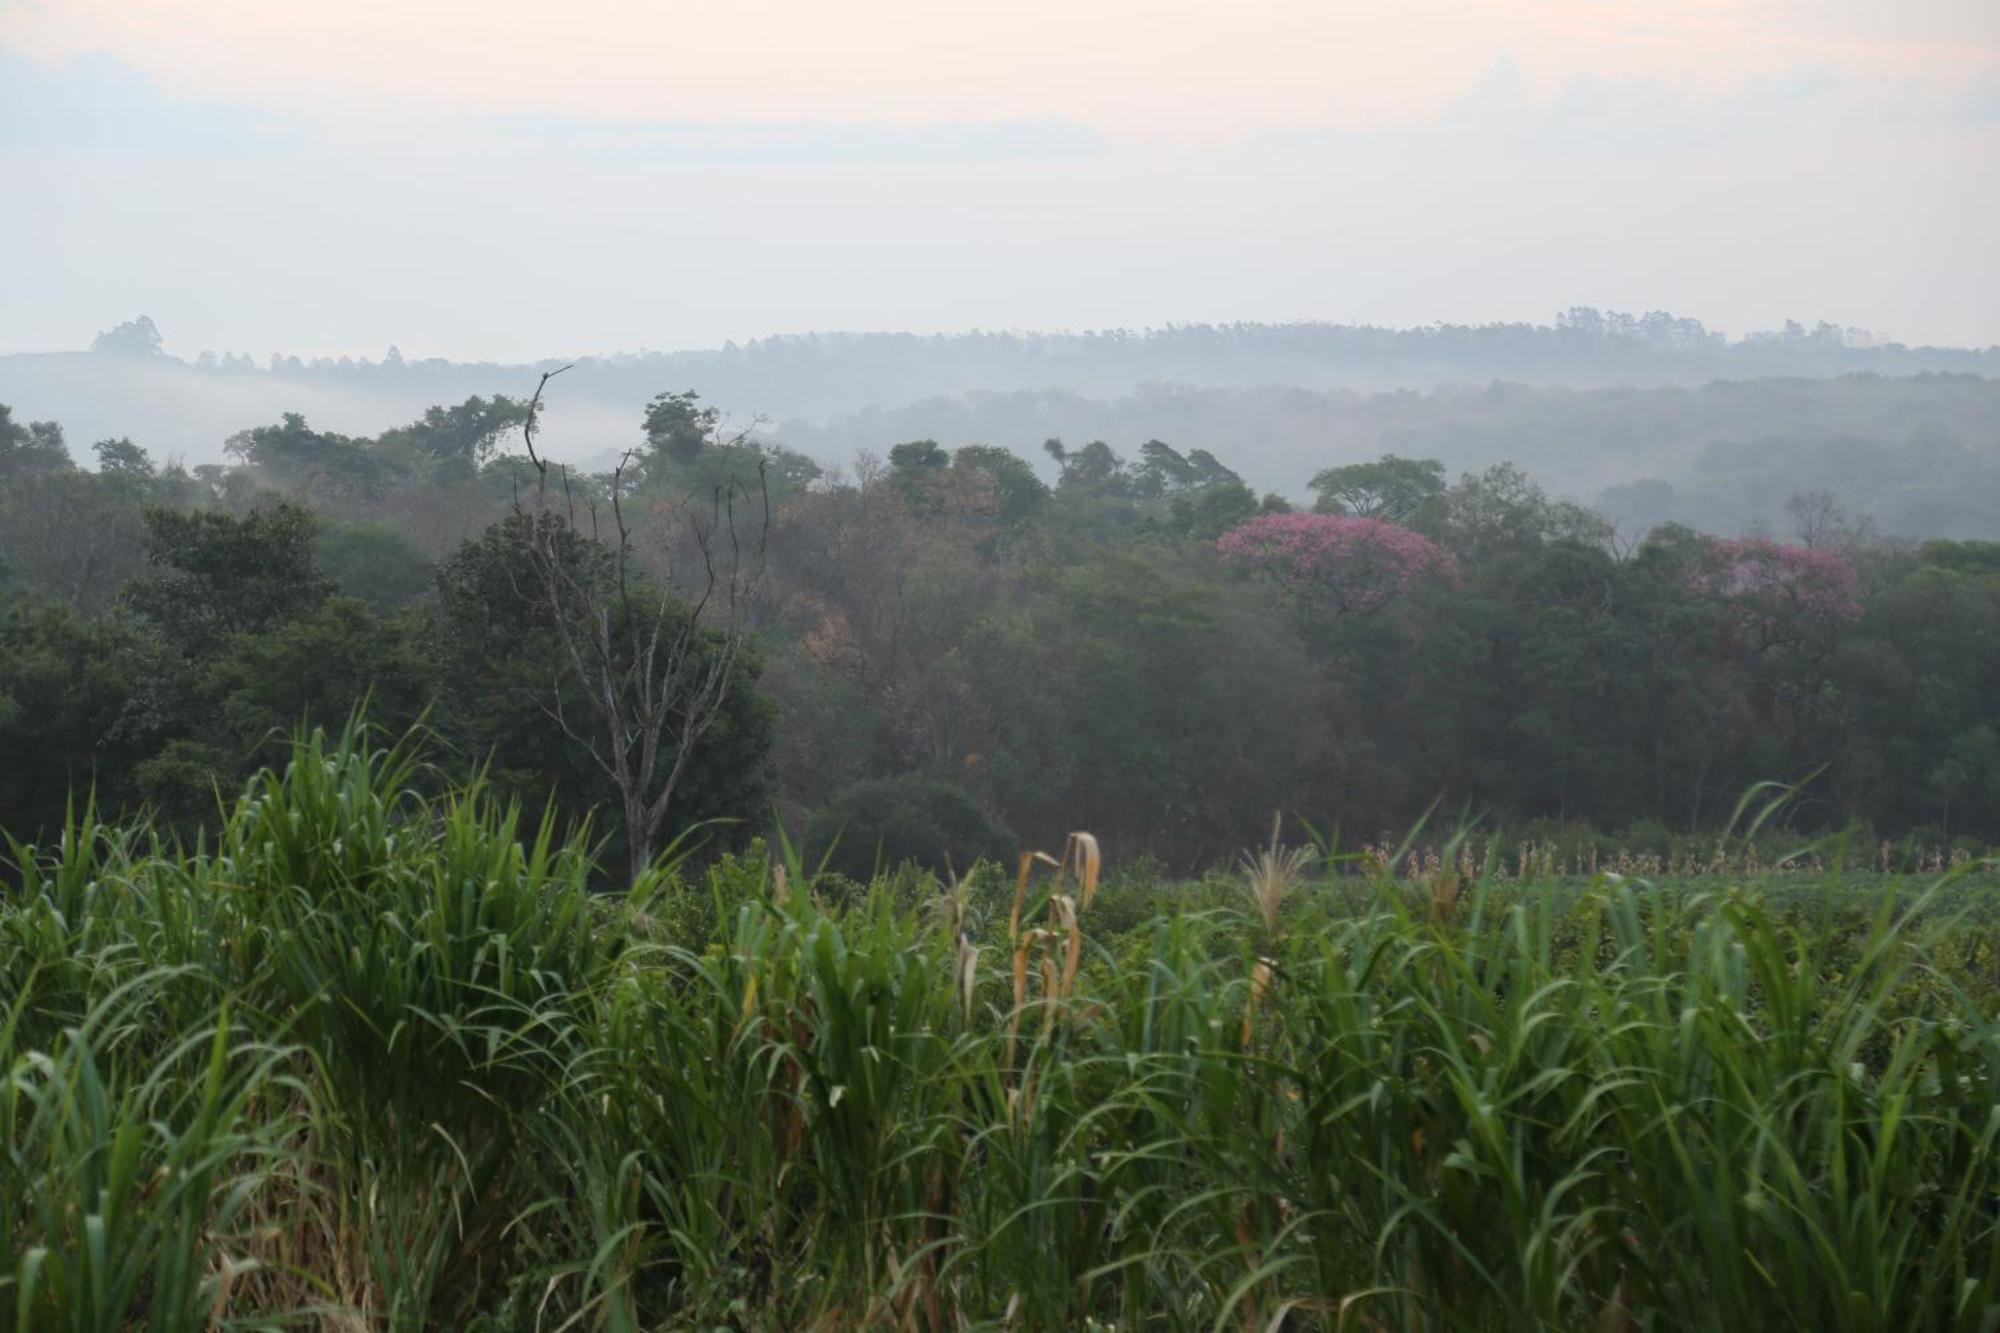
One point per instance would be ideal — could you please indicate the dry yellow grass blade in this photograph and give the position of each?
(1064, 908)
(1020, 897)
(1020, 991)
(968, 973)
(232, 1269)
(1261, 973)
(1616, 1316)
(1445, 888)
(1089, 861)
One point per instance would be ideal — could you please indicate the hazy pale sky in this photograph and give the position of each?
(497, 178)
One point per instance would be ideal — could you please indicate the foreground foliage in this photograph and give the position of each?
(378, 1060)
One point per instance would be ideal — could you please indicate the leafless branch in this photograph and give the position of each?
(652, 660)
(529, 422)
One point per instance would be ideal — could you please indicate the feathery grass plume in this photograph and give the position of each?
(1270, 874)
(953, 910)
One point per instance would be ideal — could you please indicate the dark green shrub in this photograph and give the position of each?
(887, 821)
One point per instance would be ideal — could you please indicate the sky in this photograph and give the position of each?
(498, 179)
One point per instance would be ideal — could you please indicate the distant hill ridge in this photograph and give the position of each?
(1277, 397)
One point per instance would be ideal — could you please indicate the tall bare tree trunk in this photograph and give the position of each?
(653, 657)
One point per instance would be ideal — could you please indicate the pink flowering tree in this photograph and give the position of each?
(1359, 564)
(1779, 594)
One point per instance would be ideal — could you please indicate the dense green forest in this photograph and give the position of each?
(951, 649)
(1912, 452)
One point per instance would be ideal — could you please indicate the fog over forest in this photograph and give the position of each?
(1076, 664)
(1649, 418)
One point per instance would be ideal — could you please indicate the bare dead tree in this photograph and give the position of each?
(652, 657)
(1816, 516)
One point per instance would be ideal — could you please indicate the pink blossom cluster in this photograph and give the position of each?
(1776, 580)
(1361, 562)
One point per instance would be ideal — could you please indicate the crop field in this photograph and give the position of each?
(382, 1058)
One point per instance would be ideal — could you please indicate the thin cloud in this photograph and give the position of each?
(96, 101)
(766, 144)
(1622, 117)
(1979, 101)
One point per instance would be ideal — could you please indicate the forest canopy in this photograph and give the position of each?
(1143, 643)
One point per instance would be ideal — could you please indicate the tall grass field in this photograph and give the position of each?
(380, 1058)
